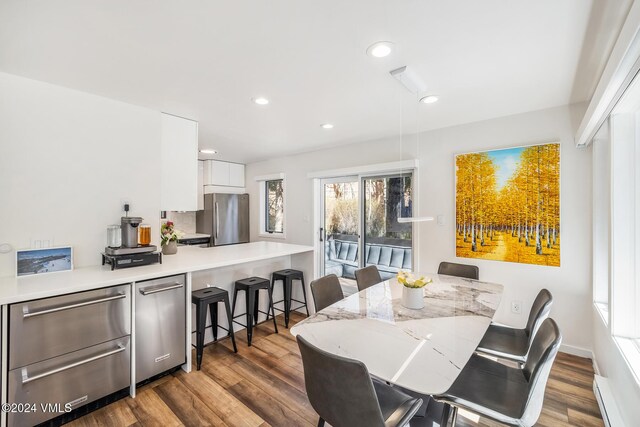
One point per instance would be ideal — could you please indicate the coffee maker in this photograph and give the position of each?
(128, 252)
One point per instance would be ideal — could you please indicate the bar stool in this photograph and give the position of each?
(287, 277)
(210, 297)
(251, 287)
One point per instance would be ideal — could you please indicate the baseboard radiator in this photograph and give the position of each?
(606, 402)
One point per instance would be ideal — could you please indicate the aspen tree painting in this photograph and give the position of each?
(508, 205)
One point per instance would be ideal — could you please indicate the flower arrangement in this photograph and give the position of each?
(409, 281)
(168, 233)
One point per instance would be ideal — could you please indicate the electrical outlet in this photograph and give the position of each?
(516, 307)
(125, 201)
(440, 219)
(42, 242)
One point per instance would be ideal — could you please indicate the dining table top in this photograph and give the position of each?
(422, 350)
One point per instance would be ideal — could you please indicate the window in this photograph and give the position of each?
(602, 220)
(274, 206)
(616, 224)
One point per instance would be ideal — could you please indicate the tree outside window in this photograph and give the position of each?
(274, 206)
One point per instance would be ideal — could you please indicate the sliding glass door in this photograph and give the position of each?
(340, 230)
(365, 221)
(388, 232)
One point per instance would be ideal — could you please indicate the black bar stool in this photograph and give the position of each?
(210, 297)
(251, 287)
(288, 276)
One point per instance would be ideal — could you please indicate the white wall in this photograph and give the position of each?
(67, 159)
(570, 283)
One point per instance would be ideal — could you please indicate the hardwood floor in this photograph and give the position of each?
(264, 385)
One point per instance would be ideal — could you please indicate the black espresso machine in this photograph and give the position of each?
(123, 248)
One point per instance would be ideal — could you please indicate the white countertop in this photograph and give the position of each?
(188, 259)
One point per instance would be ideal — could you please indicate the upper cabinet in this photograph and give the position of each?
(179, 166)
(200, 185)
(223, 173)
(236, 175)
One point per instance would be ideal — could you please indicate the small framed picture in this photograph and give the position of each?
(47, 260)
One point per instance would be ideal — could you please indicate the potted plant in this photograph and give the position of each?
(412, 291)
(169, 237)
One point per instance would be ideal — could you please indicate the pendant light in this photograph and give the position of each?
(412, 82)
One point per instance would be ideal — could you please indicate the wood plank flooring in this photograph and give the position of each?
(264, 386)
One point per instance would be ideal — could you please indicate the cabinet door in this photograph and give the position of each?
(200, 185)
(179, 165)
(219, 173)
(236, 175)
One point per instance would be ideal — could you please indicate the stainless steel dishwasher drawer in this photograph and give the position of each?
(50, 327)
(73, 379)
(160, 325)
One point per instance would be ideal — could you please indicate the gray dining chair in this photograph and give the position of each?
(326, 291)
(511, 343)
(460, 270)
(367, 277)
(513, 396)
(344, 395)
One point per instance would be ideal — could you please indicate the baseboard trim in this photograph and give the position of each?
(606, 402)
(576, 351)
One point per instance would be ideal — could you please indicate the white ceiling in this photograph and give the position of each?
(206, 59)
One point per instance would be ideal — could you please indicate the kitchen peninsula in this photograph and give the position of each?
(197, 267)
(242, 258)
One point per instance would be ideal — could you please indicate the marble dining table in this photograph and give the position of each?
(422, 350)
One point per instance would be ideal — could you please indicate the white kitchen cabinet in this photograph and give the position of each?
(200, 185)
(179, 164)
(236, 175)
(221, 173)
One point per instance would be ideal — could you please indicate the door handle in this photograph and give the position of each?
(26, 314)
(217, 219)
(27, 379)
(163, 289)
(321, 234)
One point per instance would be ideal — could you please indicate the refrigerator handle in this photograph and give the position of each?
(217, 220)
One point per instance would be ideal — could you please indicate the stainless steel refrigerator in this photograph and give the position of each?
(225, 217)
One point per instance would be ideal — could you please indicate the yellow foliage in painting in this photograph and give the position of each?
(519, 222)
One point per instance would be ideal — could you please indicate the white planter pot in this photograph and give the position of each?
(413, 298)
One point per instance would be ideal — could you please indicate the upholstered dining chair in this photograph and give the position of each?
(459, 270)
(513, 396)
(367, 277)
(344, 395)
(326, 291)
(511, 343)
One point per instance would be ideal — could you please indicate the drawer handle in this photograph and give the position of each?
(27, 314)
(27, 379)
(149, 291)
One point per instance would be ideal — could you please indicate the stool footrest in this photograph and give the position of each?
(244, 314)
(291, 309)
(259, 323)
(213, 342)
(292, 299)
(211, 326)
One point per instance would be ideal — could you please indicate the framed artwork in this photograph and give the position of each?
(508, 205)
(48, 260)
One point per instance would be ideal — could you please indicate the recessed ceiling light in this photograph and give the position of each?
(326, 126)
(380, 49)
(208, 151)
(261, 100)
(429, 99)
